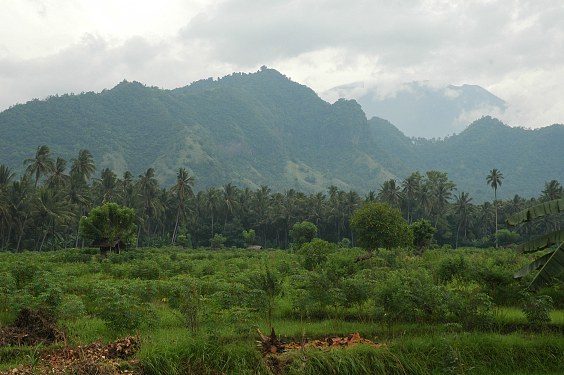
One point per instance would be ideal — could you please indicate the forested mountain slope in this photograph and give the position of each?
(264, 129)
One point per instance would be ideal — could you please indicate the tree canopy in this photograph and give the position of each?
(378, 225)
(109, 225)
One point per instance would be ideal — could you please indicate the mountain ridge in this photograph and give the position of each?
(261, 128)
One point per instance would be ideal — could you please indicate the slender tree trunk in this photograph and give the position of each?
(495, 206)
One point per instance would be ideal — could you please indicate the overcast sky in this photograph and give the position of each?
(513, 48)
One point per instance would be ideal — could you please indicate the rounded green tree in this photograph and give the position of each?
(379, 225)
(302, 233)
(109, 227)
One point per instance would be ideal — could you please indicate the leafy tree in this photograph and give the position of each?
(249, 236)
(551, 264)
(423, 232)
(378, 225)
(218, 241)
(303, 232)
(494, 180)
(109, 226)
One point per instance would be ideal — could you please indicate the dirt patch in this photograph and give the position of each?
(272, 344)
(31, 328)
(92, 359)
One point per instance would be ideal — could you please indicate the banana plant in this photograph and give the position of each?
(551, 264)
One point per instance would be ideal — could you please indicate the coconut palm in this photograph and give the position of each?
(494, 180)
(182, 191)
(83, 166)
(463, 211)
(58, 179)
(41, 165)
(390, 193)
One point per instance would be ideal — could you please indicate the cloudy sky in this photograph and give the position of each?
(513, 48)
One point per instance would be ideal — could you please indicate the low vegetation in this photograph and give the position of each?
(200, 311)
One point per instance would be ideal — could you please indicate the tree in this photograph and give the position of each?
(378, 225)
(390, 193)
(551, 264)
(302, 233)
(423, 232)
(463, 211)
(182, 190)
(494, 180)
(109, 226)
(249, 236)
(83, 167)
(41, 165)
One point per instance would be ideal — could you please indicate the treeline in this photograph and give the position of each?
(41, 209)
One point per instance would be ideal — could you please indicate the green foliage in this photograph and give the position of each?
(505, 237)
(423, 232)
(551, 264)
(270, 286)
(71, 307)
(302, 233)
(108, 223)
(315, 253)
(537, 308)
(378, 225)
(249, 236)
(218, 241)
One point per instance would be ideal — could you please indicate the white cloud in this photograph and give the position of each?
(514, 48)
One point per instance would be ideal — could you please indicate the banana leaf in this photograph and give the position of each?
(550, 264)
(542, 242)
(541, 209)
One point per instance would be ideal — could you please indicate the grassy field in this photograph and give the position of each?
(199, 311)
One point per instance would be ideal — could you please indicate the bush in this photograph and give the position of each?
(302, 233)
(315, 253)
(537, 308)
(218, 241)
(71, 307)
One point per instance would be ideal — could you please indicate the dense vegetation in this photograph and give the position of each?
(41, 209)
(263, 129)
(196, 311)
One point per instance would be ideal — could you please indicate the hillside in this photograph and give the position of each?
(263, 129)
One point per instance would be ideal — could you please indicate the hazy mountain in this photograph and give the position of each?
(263, 129)
(422, 109)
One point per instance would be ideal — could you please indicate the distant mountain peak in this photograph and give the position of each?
(424, 108)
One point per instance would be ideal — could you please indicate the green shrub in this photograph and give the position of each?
(315, 253)
(145, 270)
(71, 307)
(537, 308)
(218, 241)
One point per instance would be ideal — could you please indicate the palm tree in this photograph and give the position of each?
(410, 189)
(260, 206)
(211, 202)
(552, 190)
(41, 164)
(58, 178)
(230, 199)
(390, 193)
(51, 210)
(462, 210)
(83, 167)
(182, 189)
(6, 175)
(494, 180)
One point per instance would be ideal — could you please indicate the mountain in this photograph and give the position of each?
(264, 129)
(423, 109)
